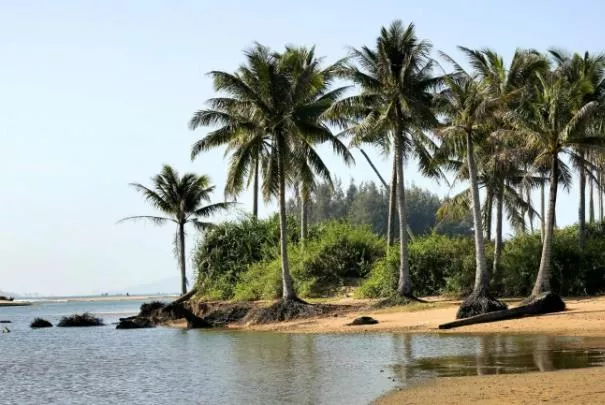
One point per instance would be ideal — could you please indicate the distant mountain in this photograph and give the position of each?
(169, 285)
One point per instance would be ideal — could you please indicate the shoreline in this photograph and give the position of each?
(584, 317)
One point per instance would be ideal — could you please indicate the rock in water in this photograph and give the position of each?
(84, 319)
(5, 321)
(40, 323)
(135, 323)
(363, 320)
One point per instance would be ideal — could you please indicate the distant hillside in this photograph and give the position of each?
(169, 285)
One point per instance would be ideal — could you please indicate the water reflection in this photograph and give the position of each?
(496, 354)
(160, 366)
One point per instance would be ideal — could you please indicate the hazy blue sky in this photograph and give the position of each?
(94, 95)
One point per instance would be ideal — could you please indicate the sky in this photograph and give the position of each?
(95, 95)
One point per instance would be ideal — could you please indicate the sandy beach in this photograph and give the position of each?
(583, 317)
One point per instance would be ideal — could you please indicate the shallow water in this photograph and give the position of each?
(101, 365)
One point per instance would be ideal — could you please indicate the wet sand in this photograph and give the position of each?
(570, 387)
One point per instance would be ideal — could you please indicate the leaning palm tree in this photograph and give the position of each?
(393, 110)
(585, 75)
(466, 108)
(181, 201)
(270, 98)
(554, 125)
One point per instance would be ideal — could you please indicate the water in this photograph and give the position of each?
(101, 365)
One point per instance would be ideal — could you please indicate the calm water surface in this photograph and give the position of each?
(102, 365)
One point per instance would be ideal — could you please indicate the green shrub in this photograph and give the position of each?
(334, 255)
(574, 271)
(438, 264)
(228, 249)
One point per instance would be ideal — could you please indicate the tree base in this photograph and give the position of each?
(287, 310)
(545, 302)
(477, 304)
(542, 304)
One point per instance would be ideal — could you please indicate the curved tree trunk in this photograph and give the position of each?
(498, 239)
(600, 191)
(404, 286)
(392, 205)
(591, 215)
(287, 284)
(542, 213)
(582, 204)
(490, 210)
(255, 191)
(481, 275)
(384, 183)
(530, 211)
(543, 279)
(303, 217)
(182, 263)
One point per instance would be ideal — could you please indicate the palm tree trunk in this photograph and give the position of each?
(542, 217)
(481, 274)
(255, 191)
(582, 204)
(498, 239)
(303, 218)
(404, 286)
(287, 284)
(384, 183)
(182, 263)
(530, 211)
(591, 200)
(600, 191)
(392, 204)
(489, 208)
(543, 279)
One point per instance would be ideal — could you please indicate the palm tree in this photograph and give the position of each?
(585, 75)
(554, 124)
(181, 201)
(269, 98)
(392, 110)
(466, 107)
(505, 160)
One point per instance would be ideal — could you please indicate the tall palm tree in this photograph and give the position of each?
(505, 159)
(393, 109)
(269, 98)
(181, 201)
(554, 124)
(466, 107)
(585, 74)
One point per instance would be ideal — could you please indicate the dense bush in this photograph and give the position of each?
(335, 255)
(438, 264)
(441, 264)
(228, 249)
(574, 271)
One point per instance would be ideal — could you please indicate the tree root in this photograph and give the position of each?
(544, 303)
(286, 310)
(397, 300)
(479, 303)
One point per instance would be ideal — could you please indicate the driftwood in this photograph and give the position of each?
(542, 304)
(156, 313)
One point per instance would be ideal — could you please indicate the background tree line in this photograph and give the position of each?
(366, 204)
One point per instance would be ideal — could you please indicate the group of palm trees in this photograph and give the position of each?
(504, 128)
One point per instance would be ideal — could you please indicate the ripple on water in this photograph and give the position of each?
(102, 365)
